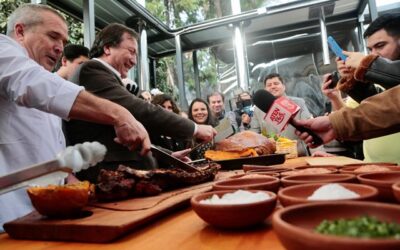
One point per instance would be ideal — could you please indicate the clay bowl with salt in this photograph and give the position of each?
(233, 216)
(267, 183)
(319, 192)
(317, 178)
(383, 181)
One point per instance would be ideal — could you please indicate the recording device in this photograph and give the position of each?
(245, 106)
(336, 48)
(280, 112)
(334, 77)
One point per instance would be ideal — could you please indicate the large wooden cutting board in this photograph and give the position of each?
(104, 222)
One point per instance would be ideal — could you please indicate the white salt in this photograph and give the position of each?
(237, 197)
(332, 191)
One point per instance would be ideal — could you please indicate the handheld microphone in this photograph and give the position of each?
(280, 112)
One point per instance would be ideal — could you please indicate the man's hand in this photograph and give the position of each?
(181, 155)
(353, 59)
(132, 134)
(205, 132)
(332, 94)
(321, 126)
(342, 68)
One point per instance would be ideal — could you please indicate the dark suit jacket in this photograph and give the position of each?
(99, 80)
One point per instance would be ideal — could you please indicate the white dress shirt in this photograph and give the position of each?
(27, 134)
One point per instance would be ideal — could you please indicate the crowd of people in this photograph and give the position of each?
(90, 91)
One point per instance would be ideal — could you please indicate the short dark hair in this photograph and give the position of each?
(71, 52)
(111, 35)
(239, 96)
(214, 94)
(390, 22)
(273, 75)
(160, 99)
(211, 120)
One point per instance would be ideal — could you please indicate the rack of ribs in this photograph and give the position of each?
(127, 182)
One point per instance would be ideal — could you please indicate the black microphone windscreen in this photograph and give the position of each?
(263, 100)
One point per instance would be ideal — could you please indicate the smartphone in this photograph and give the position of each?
(336, 48)
(334, 77)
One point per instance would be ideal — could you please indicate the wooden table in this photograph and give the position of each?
(181, 230)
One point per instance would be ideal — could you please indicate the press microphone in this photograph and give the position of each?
(280, 112)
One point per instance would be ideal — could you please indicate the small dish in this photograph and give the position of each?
(396, 191)
(251, 174)
(317, 178)
(352, 169)
(383, 181)
(61, 201)
(295, 225)
(233, 216)
(299, 194)
(267, 183)
(309, 170)
(274, 168)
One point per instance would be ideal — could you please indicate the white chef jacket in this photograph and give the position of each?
(27, 134)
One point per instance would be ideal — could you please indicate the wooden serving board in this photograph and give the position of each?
(105, 222)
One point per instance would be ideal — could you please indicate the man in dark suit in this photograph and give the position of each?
(113, 55)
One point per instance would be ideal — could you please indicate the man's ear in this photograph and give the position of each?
(64, 61)
(107, 50)
(19, 31)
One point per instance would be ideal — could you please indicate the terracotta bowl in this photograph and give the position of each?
(251, 174)
(396, 191)
(295, 225)
(275, 168)
(61, 201)
(350, 169)
(298, 194)
(317, 178)
(330, 167)
(233, 216)
(267, 183)
(298, 171)
(383, 181)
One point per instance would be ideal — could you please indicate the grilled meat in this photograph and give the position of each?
(128, 182)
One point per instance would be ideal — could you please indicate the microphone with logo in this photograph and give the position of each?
(280, 112)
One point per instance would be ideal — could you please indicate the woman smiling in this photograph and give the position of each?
(200, 113)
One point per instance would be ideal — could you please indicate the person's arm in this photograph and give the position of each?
(128, 130)
(376, 69)
(357, 90)
(101, 82)
(26, 83)
(376, 116)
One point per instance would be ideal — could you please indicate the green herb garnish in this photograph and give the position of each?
(360, 227)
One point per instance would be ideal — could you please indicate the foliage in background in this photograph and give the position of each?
(176, 14)
(75, 27)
